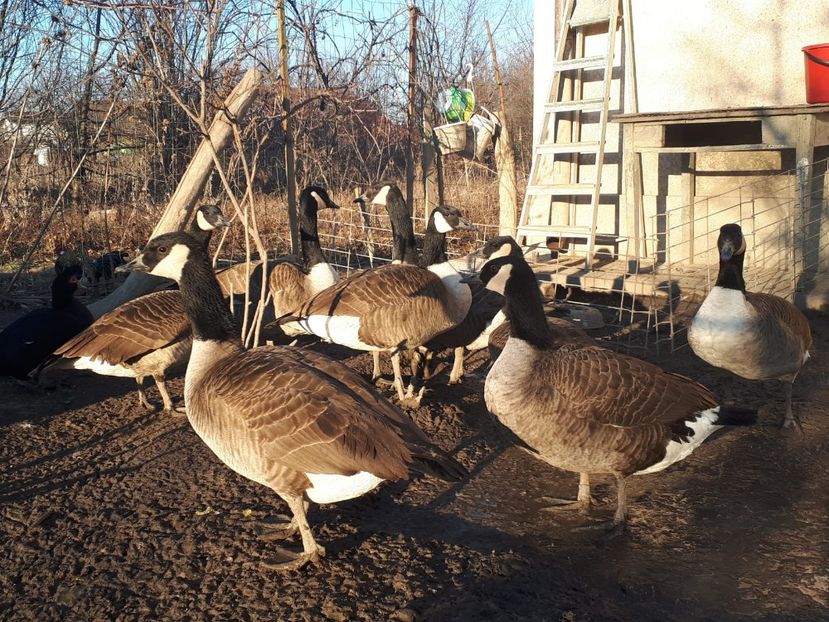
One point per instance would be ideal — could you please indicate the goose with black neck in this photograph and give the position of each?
(754, 335)
(394, 307)
(586, 409)
(296, 421)
(147, 336)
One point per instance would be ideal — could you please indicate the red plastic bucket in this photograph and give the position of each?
(817, 73)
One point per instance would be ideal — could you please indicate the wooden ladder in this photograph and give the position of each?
(554, 176)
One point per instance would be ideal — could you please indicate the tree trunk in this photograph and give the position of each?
(190, 188)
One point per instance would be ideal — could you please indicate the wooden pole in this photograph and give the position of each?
(412, 113)
(504, 156)
(191, 186)
(290, 156)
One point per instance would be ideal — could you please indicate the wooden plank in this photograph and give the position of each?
(691, 116)
(712, 148)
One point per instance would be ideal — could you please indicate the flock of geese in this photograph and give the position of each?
(313, 430)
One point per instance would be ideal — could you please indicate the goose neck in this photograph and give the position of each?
(209, 316)
(434, 247)
(308, 238)
(404, 247)
(524, 309)
(730, 275)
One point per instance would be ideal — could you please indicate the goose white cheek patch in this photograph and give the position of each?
(441, 225)
(742, 248)
(318, 199)
(502, 251)
(171, 266)
(498, 283)
(381, 196)
(201, 221)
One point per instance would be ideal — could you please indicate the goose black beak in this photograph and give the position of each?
(727, 251)
(221, 221)
(463, 223)
(136, 265)
(472, 278)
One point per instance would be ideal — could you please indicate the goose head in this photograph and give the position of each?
(500, 246)
(445, 218)
(314, 198)
(166, 256)
(209, 217)
(731, 242)
(65, 284)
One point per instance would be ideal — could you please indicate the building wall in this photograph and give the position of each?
(694, 56)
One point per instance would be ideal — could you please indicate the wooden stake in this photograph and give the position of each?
(504, 157)
(290, 156)
(412, 112)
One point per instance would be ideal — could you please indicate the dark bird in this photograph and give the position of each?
(29, 340)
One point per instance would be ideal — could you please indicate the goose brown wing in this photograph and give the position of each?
(788, 317)
(131, 330)
(304, 418)
(287, 287)
(604, 387)
(386, 287)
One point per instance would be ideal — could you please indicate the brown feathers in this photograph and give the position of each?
(132, 330)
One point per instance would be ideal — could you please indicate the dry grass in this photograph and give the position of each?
(123, 226)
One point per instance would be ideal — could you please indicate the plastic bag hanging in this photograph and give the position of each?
(458, 104)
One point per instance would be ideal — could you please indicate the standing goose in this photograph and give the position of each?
(298, 422)
(290, 282)
(30, 339)
(394, 307)
(754, 335)
(404, 247)
(586, 409)
(290, 285)
(147, 336)
(484, 316)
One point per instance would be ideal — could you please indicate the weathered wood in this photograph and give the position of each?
(191, 186)
(504, 156)
(287, 131)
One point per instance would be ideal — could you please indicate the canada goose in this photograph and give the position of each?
(147, 336)
(587, 409)
(394, 307)
(30, 339)
(484, 316)
(754, 335)
(404, 246)
(296, 421)
(291, 282)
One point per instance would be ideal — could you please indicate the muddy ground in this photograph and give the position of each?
(108, 512)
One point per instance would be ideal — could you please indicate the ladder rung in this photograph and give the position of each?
(588, 62)
(589, 20)
(585, 147)
(585, 105)
(560, 189)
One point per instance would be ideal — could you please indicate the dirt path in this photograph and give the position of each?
(110, 513)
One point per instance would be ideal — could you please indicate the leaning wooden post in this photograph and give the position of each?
(191, 186)
(504, 157)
